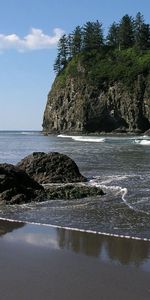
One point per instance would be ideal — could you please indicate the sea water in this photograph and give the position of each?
(119, 165)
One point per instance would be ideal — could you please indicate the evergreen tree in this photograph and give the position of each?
(142, 32)
(57, 64)
(126, 32)
(92, 35)
(113, 35)
(77, 40)
(63, 51)
(70, 46)
(144, 42)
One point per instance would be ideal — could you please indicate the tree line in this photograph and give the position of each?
(129, 32)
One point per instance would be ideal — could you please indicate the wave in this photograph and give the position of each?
(115, 188)
(29, 132)
(79, 230)
(143, 142)
(20, 132)
(83, 138)
(64, 136)
(86, 139)
(120, 190)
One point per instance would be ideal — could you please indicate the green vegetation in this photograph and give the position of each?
(122, 55)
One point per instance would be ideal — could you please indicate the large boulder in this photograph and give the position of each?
(51, 168)
(17, 187)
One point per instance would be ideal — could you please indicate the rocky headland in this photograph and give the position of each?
(78, 107)
(102, 83)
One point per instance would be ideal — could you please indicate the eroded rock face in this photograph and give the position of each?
(17, 187)
(52, 167)
(77, 107)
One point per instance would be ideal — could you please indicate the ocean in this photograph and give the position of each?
(120, 165)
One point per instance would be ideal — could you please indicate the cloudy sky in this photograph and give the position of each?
(29, 32)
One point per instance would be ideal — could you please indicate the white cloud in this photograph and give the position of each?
(35, 40)
(36, 239)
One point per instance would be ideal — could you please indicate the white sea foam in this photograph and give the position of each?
(88, 139)
(79, 230)
(29, 132)
(119, 190)
(82, 138)
(64, 136)
(143, 142)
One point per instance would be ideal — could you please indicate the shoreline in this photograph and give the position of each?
(119, 134)
(40, 262)
(99, 233)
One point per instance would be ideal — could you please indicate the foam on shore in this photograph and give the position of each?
(80, 230)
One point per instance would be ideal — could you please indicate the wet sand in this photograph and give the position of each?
(40, 262)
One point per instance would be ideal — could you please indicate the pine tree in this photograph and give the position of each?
(63, 51)
(142, 33)
(57, 64)
(92, 35)
(77, 40)
(126, 32)
(113, 35)
(144, 37)
(70, 46)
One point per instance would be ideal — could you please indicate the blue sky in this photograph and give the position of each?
(29, 31)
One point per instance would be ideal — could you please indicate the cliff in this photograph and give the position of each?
(78, 105)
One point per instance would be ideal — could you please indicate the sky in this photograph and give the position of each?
(29, 33)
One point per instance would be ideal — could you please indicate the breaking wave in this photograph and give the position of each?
(83, 138)
(143, 142)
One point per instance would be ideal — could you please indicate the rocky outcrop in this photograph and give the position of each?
(72, 191)
(52, 167)
(78, 107)
(16, 187)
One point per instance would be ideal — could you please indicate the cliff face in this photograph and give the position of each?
(79, 107)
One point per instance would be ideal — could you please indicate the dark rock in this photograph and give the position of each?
(77, 107)
(52, 167)
(72, 191)
(17, 187)
(147, 132)
(7, 226)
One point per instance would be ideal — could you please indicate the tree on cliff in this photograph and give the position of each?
(113, 35)
(126, 32)
(89, 41)
(62, 55)
(142, 33)
(57, 64)
(92, 36)
(77, 40)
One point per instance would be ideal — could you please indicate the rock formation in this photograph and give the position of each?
(52, 167)
(17, 187)
(77, 107)
(21, 184)
(72, 191)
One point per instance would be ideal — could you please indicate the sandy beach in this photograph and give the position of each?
(41, 262)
